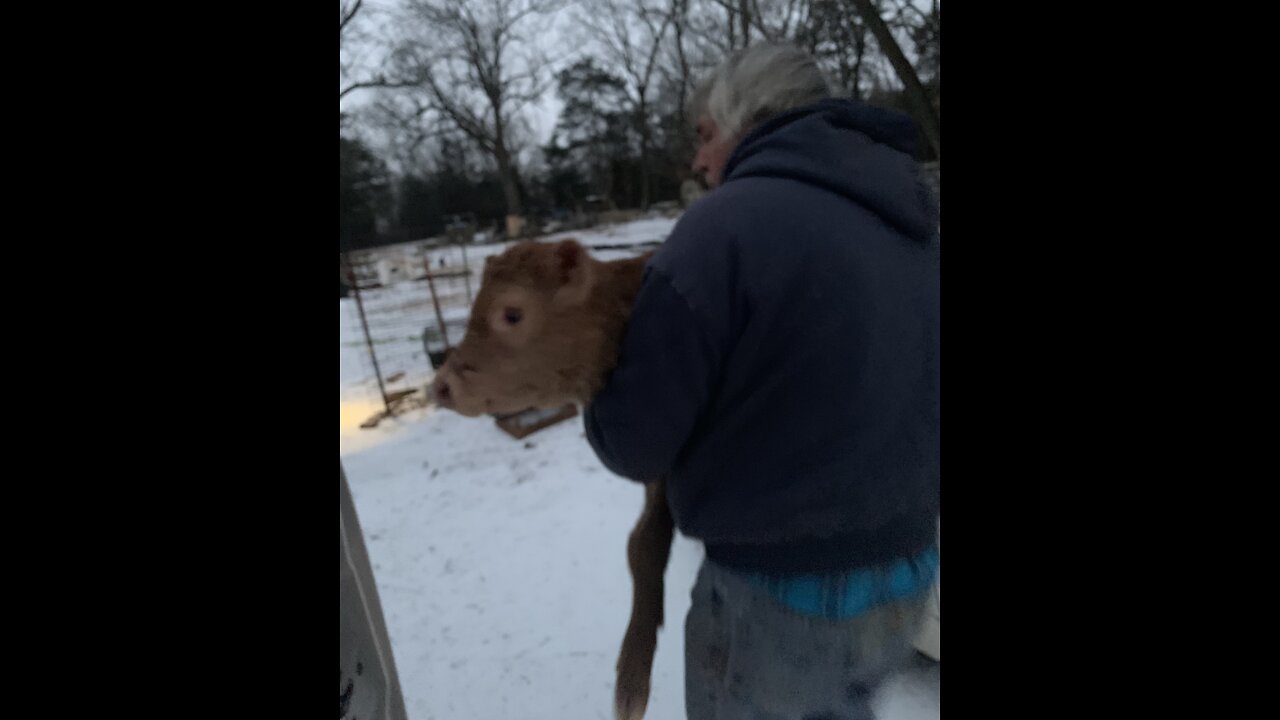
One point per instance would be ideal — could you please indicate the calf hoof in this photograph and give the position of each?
(630, 698)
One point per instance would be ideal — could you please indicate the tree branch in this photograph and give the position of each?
(915, 91)
(347, 15)
(378, 82)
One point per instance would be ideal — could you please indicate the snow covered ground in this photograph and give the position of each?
(501, 563)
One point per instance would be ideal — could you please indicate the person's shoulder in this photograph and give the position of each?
(706, 214)
(717, 215)
(734, 200)
(701, 253)
(704, 230)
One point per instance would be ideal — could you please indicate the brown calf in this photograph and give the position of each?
(544, 331)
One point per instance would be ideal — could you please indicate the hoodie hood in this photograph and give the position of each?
(847, 147)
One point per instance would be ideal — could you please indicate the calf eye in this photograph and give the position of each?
(512, 315)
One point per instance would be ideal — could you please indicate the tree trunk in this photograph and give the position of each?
(506, 172)
(915, 91)
(681, 19)
(644, 152)
(733, 44)
(510, 190)
(860, 48)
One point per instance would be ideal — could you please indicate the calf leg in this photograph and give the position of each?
(648, 549)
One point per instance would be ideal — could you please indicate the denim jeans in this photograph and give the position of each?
(749, 657)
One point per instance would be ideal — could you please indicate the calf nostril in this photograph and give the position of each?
(442, 392)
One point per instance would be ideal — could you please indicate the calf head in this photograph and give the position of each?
(541, 333)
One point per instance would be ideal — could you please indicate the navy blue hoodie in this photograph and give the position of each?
(780, 367)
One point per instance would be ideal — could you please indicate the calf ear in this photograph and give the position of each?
(574, 272)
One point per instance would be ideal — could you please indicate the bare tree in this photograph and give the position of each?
(744, 16)
(476, 65)
(680, 21)
(632, 34)
(924, 27)
(737, 23)
(410, 128)
(351, 41)
(775, 19)
(915, 92)
(772, 20)
(840, 42)
(347, 11)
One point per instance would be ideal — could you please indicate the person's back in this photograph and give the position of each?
(821, 423)
(781, 370)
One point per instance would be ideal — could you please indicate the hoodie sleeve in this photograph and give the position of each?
(651, 403)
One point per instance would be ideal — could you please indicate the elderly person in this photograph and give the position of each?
(780, 368)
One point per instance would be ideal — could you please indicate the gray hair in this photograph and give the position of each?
(756, 83)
